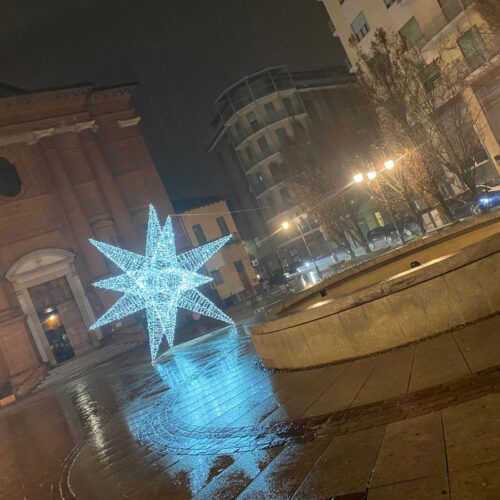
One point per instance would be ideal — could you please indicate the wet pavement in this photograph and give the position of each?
(208, 421)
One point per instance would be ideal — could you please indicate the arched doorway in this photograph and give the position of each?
(52, 297)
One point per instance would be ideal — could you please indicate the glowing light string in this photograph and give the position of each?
(160, 282)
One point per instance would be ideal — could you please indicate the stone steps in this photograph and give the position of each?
(82, 363)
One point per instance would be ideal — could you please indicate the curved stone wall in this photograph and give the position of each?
(446, 292)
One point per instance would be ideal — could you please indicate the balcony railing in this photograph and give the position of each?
(246, 132)
(257, 157)
(449, 11)
(253, 88)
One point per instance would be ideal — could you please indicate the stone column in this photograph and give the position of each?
(74, 212)
(119, 211)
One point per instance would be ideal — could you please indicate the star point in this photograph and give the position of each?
(160, 282)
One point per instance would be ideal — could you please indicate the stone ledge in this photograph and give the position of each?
(450, 232)
(411, 306)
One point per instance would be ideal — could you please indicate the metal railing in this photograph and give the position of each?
(245, 132)
(257, 157)
(449, 11)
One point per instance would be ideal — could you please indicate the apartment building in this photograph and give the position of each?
(233, 273)
(430, 26)
(255, 116)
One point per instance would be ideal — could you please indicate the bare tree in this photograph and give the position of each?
(490, 12)
(423, 108)
(322, 184)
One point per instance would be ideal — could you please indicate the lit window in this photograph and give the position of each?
(380, 219)
(360, 26)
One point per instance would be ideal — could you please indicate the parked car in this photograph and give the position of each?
(277, 278)
(382, 237)
(386, 236)
(488, 199)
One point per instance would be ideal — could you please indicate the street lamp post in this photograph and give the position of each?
(285, 226)
(389, 164)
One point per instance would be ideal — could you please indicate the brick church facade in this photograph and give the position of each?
(73, 166)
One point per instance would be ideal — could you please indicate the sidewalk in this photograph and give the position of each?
(420, 422)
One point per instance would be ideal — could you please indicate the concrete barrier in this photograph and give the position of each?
(421, 302)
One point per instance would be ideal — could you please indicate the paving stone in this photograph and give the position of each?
(345, 466)
(478, 482)
(425, 488)
(238, 475)
(282, 477)
(411, 449)
(476, 343)
(437, 361)
(343, 391)
(389, 378)
(472, 432)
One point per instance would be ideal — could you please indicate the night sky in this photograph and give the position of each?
(183, 53)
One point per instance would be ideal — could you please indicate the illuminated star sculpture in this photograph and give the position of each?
(160, 282)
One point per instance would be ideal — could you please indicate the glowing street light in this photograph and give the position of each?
(285, 225)
(389, 164)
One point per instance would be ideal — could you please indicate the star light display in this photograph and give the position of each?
(160, 281)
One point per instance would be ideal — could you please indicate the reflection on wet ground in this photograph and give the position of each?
(209, 421)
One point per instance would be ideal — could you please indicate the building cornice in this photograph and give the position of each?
(44, 95)
(129, 122)
(34, 136)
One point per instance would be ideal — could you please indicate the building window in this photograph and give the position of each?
(271, 207)
(10, 182)
(238, 132)
(199, 234)
(252, 120)
(388, 3)
(432, 74)
(282, 136)
(360, 26)
(274, 169)
(221, 222)
(238, 265)
(264, 146)
(451, 8)
(287, 102)
(271, 112)
(261, 181)
(473, 49)
(250, 156)
(379, 218)
(411, 34)
(217, 277)
(285, 195)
